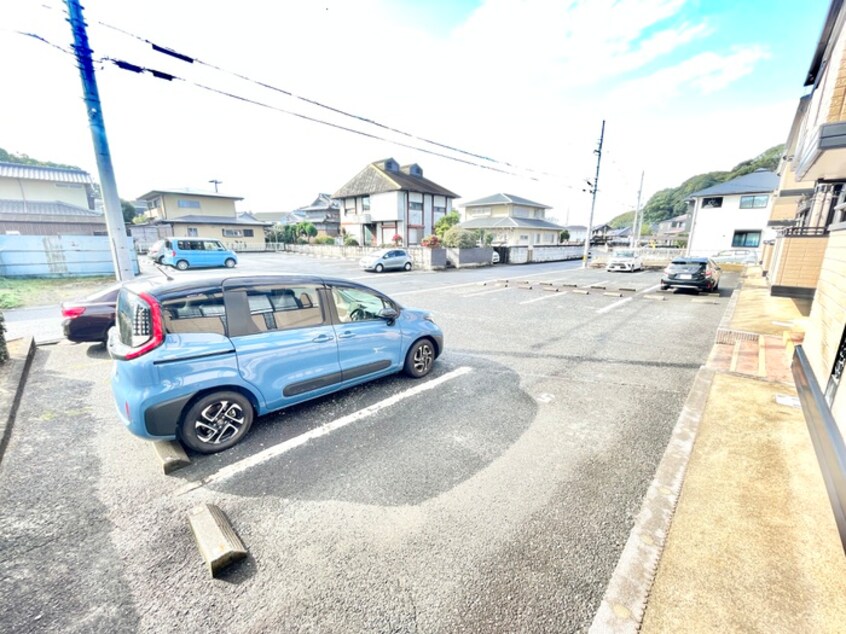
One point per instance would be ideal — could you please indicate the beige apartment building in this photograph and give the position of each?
(808, 257)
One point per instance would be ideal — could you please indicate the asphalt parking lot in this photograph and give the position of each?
(497, 499)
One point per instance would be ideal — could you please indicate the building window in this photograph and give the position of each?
(365, 203)
(232, 233)
(836, 370)
(192, 232)
(713, 203)
(188, 204)
(349, 206)
(248, 233)
(753, 202)
(414, 206)
(746, 239)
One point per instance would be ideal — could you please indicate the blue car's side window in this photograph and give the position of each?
(280, 308)
(203, 312)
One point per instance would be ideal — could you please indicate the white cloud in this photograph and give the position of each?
(524, 82)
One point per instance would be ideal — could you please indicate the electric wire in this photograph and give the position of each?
(170, 52)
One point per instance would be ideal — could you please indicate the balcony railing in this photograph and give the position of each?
(805, 232)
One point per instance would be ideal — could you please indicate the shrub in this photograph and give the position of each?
(397, 239)
(302, 241)
(349, 241)
(432, 241)
(456, 237)
(4, 353)
(445, 222)
(324, 240)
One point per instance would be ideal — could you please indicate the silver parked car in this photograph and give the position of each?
(386, 260)
(624, 260)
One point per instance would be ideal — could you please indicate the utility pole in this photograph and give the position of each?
(121, 256)
(638, 221)
(594, 187)
(216, 183)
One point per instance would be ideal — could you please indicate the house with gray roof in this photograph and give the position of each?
(324, 213)
(40, 200)
(387, 199)
(513, 220)
(733, 214)
(202, 214)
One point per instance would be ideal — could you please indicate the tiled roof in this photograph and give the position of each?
(187, 192)
(242, 219)
(375, 179)
(758, 182)
(504, 199)
(41, 208)
(509, 222)
(41, 173)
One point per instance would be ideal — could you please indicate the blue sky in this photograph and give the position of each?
(686, 86)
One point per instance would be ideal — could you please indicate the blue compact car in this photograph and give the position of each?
(185, 253)
(199, 359)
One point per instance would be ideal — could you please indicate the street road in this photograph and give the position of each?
(499, 500)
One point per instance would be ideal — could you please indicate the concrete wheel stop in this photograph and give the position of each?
(217, 541)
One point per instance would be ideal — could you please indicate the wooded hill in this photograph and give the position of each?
(23, 159)
(670, 202)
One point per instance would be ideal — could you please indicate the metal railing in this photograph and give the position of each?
(825, 436)
(805, 232)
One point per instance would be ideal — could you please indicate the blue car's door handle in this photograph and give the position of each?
(322, 339)
(346, 335)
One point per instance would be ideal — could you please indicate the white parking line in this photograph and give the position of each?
(283, 447)
(625, 300)
(496, 290)
(477, 282)
(595, 284)
(615, 304)
(539, 299)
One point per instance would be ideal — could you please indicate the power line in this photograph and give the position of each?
(135, 68)
(170, 52)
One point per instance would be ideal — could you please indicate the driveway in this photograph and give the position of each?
(497, 500)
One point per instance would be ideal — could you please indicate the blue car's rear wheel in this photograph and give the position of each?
(216, 422)
(182, 265)
(229, 263)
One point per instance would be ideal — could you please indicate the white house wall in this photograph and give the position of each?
(714, 229)
(384, 207)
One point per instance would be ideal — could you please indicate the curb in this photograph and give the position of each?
(14, 387)
(625, 600)
(624, 603)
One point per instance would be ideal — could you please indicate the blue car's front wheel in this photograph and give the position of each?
(216, 422)
(420, 358)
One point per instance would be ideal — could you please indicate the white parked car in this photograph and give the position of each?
(624, 260)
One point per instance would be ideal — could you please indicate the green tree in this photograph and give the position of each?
(564, 236)
(456, 237)
(306, 230)
(128, 211)
(443, 225)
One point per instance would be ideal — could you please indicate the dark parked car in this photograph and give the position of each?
(701, 274)
(90, 318)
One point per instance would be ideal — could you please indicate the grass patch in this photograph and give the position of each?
(20, 292)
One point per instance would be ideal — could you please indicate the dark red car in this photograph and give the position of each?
(89, 319)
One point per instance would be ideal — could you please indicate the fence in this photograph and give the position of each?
(650, 256)
(58, 256)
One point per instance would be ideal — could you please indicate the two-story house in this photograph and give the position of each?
(673, 230)
(512, 220)
(733, 214)
(37, 200)
(324, 213)
(194, 213)
(386, 199)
